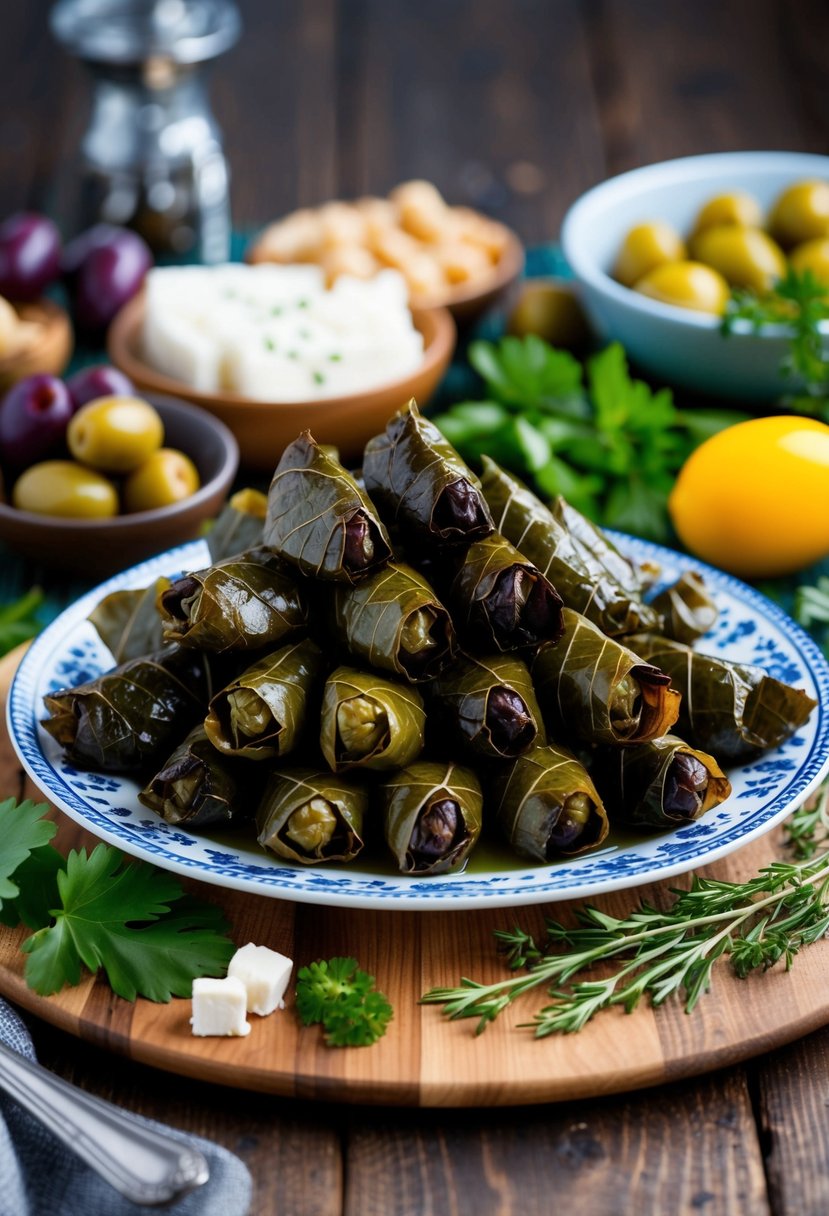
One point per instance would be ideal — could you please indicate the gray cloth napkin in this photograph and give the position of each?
(39, 1176)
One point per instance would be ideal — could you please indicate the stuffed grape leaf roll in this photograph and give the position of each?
(246, 602)
(732, 710)
(369, 722)
(319, 519)
(658, 784)
(129, 718)
(546, 804)
(488, 705)
(262, 713)
(198, 787)
(499, 599)
(686, 608)
(422, 485)
(582, 581)
(128, 622)
(598, 690)
(431, 816)
(393, 620)
(309, 817)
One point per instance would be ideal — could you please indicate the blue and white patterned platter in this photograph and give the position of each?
(750, 628)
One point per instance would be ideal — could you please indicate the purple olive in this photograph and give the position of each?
(99, 381)
(29, 255)
(103, 268)
(34, 415)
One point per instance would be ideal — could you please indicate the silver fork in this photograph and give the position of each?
(146, 1166)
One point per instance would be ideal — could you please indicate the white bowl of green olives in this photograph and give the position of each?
(656, 252)
(136, 476)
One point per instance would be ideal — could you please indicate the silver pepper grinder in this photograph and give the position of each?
(151, 158)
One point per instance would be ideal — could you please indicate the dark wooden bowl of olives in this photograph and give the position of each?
(62, 513)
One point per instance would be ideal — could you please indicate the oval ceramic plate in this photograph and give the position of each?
(750, 628)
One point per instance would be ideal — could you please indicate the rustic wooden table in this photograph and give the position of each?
(514, 106)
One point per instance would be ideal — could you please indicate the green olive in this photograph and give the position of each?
(745, 257)
(801, 213)
(60, 487)
(552, 311)
(812, 256)
(115, 434)
(686, 285)
(736, 207)
(165, 477)
(644, 248)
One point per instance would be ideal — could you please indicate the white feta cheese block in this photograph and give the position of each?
(264, 973)
(276, 333)
(219, 1007)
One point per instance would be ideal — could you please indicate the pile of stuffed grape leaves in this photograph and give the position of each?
(404, 659)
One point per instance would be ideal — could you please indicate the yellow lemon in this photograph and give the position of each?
(754, 499)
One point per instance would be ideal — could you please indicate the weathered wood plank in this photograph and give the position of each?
(675, 80)
(683, 1149)
(793, 1094)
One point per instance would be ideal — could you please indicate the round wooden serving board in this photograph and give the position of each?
(424, 1059)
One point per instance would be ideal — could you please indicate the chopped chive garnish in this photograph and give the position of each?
(335, 358)
(319, 378)
(292, 354)
(270, 344)
(302, 303)
(276, 311)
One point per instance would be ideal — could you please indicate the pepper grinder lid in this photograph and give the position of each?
(133, 31)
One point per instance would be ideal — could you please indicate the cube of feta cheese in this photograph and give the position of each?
(219, 1007)
(264, 973)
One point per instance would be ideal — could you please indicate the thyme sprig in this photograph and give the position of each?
(661, 953)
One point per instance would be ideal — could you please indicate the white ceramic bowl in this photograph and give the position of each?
(676, 345)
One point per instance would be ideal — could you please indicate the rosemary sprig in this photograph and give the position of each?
(661, 953)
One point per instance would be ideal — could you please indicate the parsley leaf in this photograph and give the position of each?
(23, 830)
(116, 916)
(343, 998)
(799, 302)
(612, 446)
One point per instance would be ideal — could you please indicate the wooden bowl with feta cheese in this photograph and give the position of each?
(264, 428)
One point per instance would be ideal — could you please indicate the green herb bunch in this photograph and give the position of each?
(610, 444)
(800, 302)
(101, 912)
(605, 960)
(343, 998)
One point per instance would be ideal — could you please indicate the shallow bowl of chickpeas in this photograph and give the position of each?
(451, 257)
(658, 251)
(121, 511)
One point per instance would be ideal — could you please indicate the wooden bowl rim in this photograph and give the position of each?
(435, 325)
(139, 520)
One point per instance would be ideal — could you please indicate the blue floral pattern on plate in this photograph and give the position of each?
(750, 629)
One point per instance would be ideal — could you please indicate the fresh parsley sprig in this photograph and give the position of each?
(606, 441)
(101, 911)
(800, 302)
(657, 953)
(342, 997)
